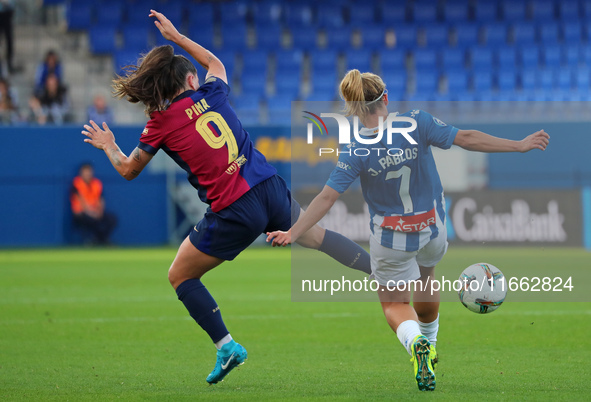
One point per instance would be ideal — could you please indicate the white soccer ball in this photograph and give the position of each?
(483, 288)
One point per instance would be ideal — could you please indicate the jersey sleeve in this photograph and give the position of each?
(152, 138)
(435, 131)
(348, 168)
(215, 85)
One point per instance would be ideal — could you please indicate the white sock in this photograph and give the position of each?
(223, 341)
(407, 332)
(430, 329)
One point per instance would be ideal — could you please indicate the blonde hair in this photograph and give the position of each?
(358, 90)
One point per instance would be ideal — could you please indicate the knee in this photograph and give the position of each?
(174, 276)
(313, 238)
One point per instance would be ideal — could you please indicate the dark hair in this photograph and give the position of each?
(85, 165)
(157, 78)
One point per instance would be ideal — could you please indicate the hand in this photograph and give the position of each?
(537, 140)
(98, 138)
(279, 238)
(167, 29)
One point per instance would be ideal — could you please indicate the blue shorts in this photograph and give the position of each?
(266, 207)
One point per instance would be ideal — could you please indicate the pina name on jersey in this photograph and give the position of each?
(197, 109)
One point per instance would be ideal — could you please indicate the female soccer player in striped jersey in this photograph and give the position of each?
(196, 127)
(407, 208)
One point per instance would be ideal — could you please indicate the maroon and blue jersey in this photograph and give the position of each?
(202, 134)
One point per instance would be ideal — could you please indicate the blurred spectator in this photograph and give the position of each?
(7, 30)
(99, 111)
(51, 65)
(8, 103)
(51, 104)
(88, 207)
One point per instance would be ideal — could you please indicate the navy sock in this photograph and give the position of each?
(345, 251)
(203, 308)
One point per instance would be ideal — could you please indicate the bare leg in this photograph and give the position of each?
(396, 306)
(190, 263)
(425, 300)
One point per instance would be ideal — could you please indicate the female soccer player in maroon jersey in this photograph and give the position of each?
(196, 127)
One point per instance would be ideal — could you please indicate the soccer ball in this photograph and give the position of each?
(483, 288)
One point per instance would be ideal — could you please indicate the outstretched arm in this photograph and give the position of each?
(474, 140)
(127, 166)
(208, 61)
(317, 209)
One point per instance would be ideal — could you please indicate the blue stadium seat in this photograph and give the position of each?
(506, 58)
(572, 31)
(109, 14)
(200, 33)
(586, 8)
(513, 10)
(254, 82)
(288, 60)
(280, 109)
(543, 10)
(136, 37)
(324, 61)
(288, 85)
(362, 14)
(137, 13)
(427, 82)
(466, 35)
(267, 12)
(481, 58)
(396, 82)
(234, 36)
(406, 36)
(254, 60)
(424, 12)
(581, 78)
(453, 59)
(124, 58)
(304, 38)
(248, 109)
(571, 54)
(528, 79)
(338, 38)
(568, 10)
(564, 79)
(455, 11)
(530, 56)
(393, 13)
(495, 35)
(373, 37)
(269, 36)
(457, 81)
(549, 32)
(436, 35)
(298, 15)
(324, 85)
(392, 60)
(173, 11)
(507, 80)
(524, 33)
(425, 59)
(199, 13)
(102, 39)
(360, 59)
(228, 58)
(78, 15)
(585, 55)
(233, 12)
(486, 11)
(329, 15)
(482, 81)
(552, 55)
(545, 79)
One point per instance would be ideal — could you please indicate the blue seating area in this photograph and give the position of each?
(425, 50)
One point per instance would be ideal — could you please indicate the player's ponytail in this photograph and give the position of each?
(158, 77)
(360, 92)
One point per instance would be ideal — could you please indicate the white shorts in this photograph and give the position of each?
(389, 265)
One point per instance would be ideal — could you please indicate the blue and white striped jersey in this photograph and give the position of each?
(399, 180)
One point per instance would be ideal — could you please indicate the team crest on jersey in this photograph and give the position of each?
(439, 122)
(145, 131)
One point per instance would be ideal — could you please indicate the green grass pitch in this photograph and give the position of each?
(105, 325)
